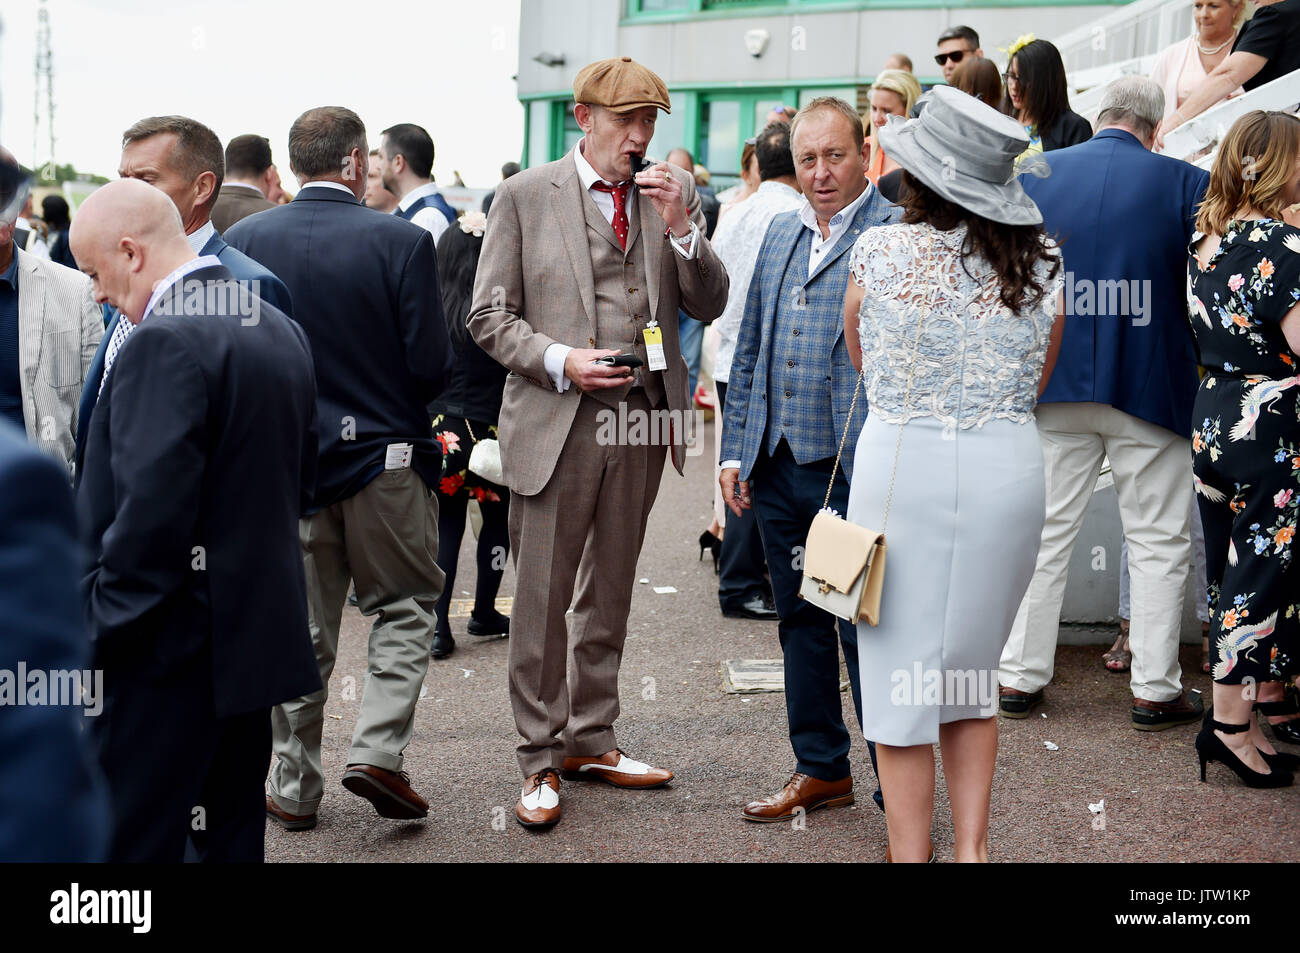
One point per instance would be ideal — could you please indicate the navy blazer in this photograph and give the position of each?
(365, 289)
(52, 807)
(269, 288)
(745, 426)
(199, 459)
(1123, 217)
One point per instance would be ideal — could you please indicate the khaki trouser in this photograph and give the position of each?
(1152, 468)
(385, 538)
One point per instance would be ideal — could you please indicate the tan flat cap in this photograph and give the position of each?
(620, 84)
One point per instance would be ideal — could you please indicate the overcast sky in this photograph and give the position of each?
(254, 65)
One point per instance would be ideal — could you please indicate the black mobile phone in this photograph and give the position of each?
(639, 163)
(621, 360)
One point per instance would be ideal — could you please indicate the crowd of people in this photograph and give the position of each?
(924, 322)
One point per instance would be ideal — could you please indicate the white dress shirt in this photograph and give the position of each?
(838, 223)
(686, 246)
(820, 246)
(326, 184)
(428, 218)
(737, 242)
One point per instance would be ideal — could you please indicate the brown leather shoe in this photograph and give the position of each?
(800, 791)
(616, 768)
(1013, 703)
(290, 822)
(1156, 716)
(538, 807)
(389, 791)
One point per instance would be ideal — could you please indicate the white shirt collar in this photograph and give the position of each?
(245, 185)
(194, 264)
(417, 193)
(772, 185)
(326, 184)
(200, 236)
(838, 220)
(586, 173)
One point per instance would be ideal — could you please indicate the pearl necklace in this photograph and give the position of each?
(1217, 48)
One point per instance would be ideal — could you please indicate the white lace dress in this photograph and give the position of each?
(968, 499)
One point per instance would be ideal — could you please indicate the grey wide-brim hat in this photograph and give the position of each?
(966, 151)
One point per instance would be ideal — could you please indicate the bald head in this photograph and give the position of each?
(127, 236)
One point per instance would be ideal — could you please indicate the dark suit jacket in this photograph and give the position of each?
(52, 807)
(199, 457)
(269, 288)
(1123, 214)
(365, 289)
(1068, 129)
(235, 202)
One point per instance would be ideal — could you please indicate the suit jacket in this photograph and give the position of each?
(59, 332)
(534, 270)
(365, 289)
(1123, 214)
(235, 202)
(745, 423)
(269, 288)
(199, 458)
(52, 807)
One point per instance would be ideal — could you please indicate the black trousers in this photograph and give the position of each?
(741, 565)
(183, 784)
(786, 496)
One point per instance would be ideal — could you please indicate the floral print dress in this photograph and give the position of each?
(1246, 447)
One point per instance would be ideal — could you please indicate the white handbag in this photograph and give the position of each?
(485, 458)
(844, 564)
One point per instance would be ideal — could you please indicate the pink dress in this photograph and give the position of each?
(1178, 70)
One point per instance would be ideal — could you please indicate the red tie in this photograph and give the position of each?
(620, 208)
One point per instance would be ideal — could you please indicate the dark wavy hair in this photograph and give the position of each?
(1044, 91)
(458, 253)
(1011, 250)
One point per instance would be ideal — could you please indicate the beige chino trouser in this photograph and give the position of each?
(385, 538)
(1152, 468)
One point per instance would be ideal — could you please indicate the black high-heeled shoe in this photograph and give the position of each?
(1210, 747)
(1284, 731)
(710, 542)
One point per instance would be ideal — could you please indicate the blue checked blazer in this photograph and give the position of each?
(819, 367)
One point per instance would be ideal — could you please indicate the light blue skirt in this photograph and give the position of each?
(963, 538)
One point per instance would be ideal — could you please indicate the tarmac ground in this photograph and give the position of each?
(729, 749)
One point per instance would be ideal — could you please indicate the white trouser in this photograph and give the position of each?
(1200, 593)
(1152, 468)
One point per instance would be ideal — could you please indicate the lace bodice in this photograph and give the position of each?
(977, 361)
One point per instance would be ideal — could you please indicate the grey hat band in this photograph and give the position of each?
(999, 171)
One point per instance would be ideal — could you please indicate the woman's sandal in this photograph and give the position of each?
(1119, 658)
(1287, 730)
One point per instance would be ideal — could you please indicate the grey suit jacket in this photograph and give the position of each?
(535, 287)
(59, 328)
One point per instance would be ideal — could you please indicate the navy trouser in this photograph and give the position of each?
(740, 568)
(786, 496)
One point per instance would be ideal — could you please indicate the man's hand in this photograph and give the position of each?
(665, 194)
(735, 491)
(588, 376)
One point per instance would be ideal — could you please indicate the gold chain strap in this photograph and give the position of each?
(470, 429)
(907, 406)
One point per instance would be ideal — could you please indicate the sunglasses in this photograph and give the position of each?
(955, 56)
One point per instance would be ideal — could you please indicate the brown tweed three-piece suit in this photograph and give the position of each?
(552, 271)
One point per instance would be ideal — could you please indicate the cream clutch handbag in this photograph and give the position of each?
(485, 458)
(844, 564)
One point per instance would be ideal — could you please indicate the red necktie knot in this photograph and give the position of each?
(619, 221)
